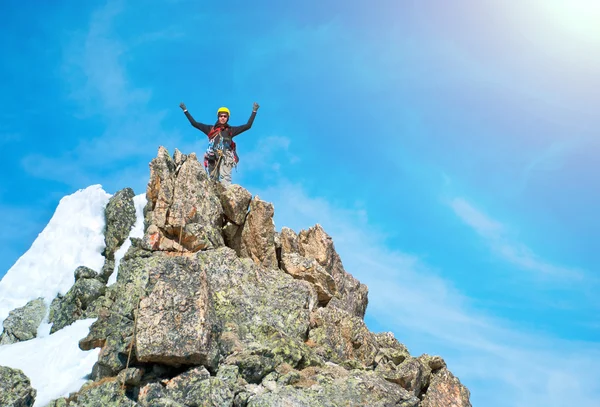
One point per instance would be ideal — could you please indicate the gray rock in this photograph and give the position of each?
(412, 374)
(342, 337)
(155, 395)
(212, 307)
(183, 209)
(390, 350)
(351, 296)
(113, 330)
(333, 386)
(258, 235)
(193, 388)
(107, 269)
(15, 388)
(22, 323)
(107, 393)
(76, 303)
(235, 200)
(232, 234)
(310, 270)
(174, 322)
(120, 218)
(446, 390)
(84, 272)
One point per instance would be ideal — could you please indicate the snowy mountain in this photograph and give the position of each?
(186, 295)
(74, 237)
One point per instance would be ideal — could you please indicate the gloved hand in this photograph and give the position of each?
(182, 106)
(255, 107)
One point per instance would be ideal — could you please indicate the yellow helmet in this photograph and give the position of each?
(223, 110)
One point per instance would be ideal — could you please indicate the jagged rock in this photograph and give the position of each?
(113, 330)
(130, 377)
(181, 205)
(232, 234)
(446, 390)
(155, 395)
(259, 360)
(435, 363)
(341, 337)
(85, 272)
(289, 241)
(62, 402)
(22, 323)
(173, 325)
(105, 393)
(194, 388)
(235, 200)
(333, 386)
(258, 234)
(213, 307)
(352, 295)
(310, 270)
(249, 303)
(75, 304)
(107, 269)
(412, 374)
(15, 388)
(390, 350)
(120, 218)
(159, 192)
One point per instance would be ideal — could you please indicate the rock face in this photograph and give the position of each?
(22, 323)
(173, 324)
(79, 301)
(446, 390)
(15, 388)
(213, 307)
(258, 234)
(120, 218)
(181, 214)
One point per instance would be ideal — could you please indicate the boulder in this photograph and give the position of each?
(174, 322)
(15, 388)
(258, 235)
(120, 217)
(182, 206)
(342, 338)
(78, 302)
(331, 386)
(446, 390)
(22, 323)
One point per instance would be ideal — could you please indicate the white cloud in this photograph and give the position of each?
(267, 153)
(503, 245)
(95, 71)
(491, 356)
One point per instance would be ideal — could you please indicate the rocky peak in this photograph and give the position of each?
(214, 307)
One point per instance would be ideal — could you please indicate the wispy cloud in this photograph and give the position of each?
(267, 156)
(503, 245)
(426, 312)
(95, 71)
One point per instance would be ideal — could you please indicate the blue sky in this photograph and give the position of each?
(449, 149)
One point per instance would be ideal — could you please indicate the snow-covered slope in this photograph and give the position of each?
(73, 237)
(54, 364)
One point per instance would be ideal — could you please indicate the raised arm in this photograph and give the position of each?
(235, 130)
(204, 128)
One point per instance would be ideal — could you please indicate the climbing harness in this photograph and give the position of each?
(216, 149)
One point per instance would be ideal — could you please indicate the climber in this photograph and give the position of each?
(221, 155)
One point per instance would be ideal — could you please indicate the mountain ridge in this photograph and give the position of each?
(212, 306)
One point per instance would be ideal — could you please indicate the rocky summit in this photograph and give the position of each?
(214, 307)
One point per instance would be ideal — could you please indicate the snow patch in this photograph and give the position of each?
(54, 364)
(74, 237)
